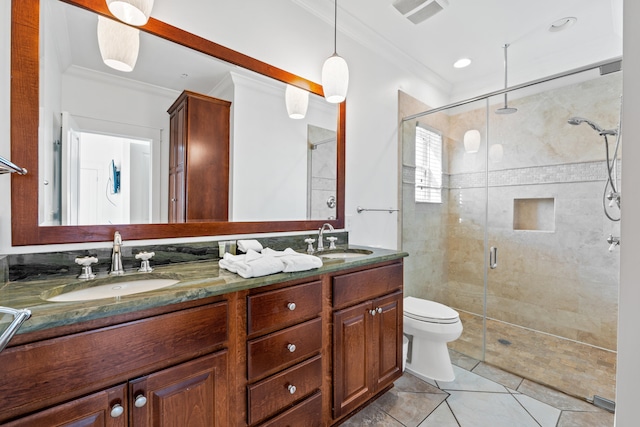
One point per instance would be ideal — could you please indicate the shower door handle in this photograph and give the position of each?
(493, 257)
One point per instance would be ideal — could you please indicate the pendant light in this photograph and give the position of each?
(506, 109)
(297, 102)
(335, 72)
(119, 44)
(132, 12)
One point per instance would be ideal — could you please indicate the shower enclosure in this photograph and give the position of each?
(520, 244)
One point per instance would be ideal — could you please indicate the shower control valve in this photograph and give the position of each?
(613, 242)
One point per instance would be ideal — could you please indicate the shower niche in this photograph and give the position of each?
(534, 214)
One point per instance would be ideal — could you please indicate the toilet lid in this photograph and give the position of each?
(429, 311)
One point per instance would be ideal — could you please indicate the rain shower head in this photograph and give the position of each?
(578, 120)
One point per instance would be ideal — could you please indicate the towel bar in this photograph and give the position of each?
(390, 210)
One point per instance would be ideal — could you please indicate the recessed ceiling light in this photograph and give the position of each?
(562, 24)
(462, 62)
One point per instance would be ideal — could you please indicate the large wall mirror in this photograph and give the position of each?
(96, 141)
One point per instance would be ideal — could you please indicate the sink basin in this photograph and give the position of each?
(345, 253)
(88, 291)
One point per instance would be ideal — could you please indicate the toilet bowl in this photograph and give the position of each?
(430, 326)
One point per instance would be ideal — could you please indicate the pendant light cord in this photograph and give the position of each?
(335, 28)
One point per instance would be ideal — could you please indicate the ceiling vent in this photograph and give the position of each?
(418, 11)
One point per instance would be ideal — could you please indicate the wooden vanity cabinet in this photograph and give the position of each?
(367, 335)
(169, 369)
(284, 361)
(199, 158)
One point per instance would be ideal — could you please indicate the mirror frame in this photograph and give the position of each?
(25, 228)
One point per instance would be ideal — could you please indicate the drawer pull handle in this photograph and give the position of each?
(140, 401)
(372, 312)
(116, 410)
(291, 306)
(291, 347)
(292, 389)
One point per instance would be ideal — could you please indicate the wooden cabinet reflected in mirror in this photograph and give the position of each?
(31, 221)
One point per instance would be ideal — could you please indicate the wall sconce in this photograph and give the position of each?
(472, 141)
(132, 12)
(297, 101)
(119, 44)
(335, 72)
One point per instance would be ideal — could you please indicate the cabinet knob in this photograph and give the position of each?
(291, 306)
(140, 401)
(291, 347)
(116, 410)
(379, 309)
(292, 389)
(372, 312)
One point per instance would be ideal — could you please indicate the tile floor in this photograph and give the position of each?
(480, 396)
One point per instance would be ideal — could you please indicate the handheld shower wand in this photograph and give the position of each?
(578, 120)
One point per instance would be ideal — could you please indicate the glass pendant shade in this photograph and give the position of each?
(133, 12)
(297, 101)
(335, 79)
(472, 141)
(119, 44)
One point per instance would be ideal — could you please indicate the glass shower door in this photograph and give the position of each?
(551, 295)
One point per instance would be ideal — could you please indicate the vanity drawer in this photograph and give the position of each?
(283, 307)
(305, 414)
(363, 285)
(272, 352)
(275, 393)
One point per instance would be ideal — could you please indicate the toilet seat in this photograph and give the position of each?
(429, 311)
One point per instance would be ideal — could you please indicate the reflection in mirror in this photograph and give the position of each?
(322, 168)
(98, 124)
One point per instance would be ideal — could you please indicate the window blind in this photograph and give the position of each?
(428, 182)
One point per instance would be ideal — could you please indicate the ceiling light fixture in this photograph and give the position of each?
(119, 44)
(335, 72)
(297, 102)
(132, 12)
(462, 62)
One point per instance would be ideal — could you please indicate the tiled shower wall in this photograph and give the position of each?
(551, 304)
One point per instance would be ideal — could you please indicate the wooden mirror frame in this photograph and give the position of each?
(25, 228)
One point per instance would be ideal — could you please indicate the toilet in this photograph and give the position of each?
(430, 326)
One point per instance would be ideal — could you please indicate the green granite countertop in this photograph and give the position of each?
(199, 279)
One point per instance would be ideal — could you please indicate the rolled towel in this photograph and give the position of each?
(295, 261)
(230, 262)
(256, 265)
(245, 245)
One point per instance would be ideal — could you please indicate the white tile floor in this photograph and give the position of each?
(481, 397)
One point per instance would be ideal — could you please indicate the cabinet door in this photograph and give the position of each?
(106, 408)
(387, 339)
(193, 394)
(352, 373)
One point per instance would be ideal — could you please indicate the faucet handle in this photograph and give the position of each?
(309, 243)
(332, 242)
(86, 262)
(144, 265)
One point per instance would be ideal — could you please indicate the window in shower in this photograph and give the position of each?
(428, 182)
(534, 214)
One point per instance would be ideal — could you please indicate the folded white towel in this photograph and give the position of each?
(245, 245)
(229, 262)
(256, 265)
(294, 261)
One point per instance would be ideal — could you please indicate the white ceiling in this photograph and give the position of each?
(478, 29)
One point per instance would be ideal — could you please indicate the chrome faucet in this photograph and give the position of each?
(320, 231)
(116, 255)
